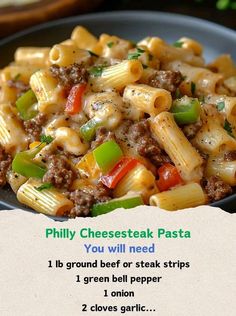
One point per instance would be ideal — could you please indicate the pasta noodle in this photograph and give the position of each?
(185, 196)
(105, 107)
(12, 135)
(64, 55)
(167, 53)
(49, 201)
(50, 97)
(147, 99)
(68, 139)
(226, 170)
(192, 45)
(118, 76)
(229, 108)
(32, 55)
(83, 38)
(204, 79)
(137, 180)
(224, 65)
(182, 153)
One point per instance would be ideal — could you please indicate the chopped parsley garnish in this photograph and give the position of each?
(178, 94)
(46, 139)
(92, 53)
(202, 99)
(17, 77)
(140, 50)
(193, 87)
(220, 106)
(96, 71)
(137, 54)
(110, 44)
(178, 44)
(228, 128)
(44, 186)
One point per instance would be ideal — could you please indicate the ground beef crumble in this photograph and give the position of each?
(191, 130)
(84, 199)
(139, 134)
(71, 75)
(230, 156)
(166, 79)
(217, 189)
(59, 172)
(19, 85)
(33, 127)
(102, 135)
(5, 163)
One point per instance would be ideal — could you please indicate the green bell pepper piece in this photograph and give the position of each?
(107, 155)
(23, 164)
(186, 110)
(26, 105)
(123, 202)
(88, 130)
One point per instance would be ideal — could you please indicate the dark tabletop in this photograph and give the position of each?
(205, 9)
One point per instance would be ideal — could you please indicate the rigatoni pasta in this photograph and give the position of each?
(118, 76)
(226, 170)
(48, 201)
(96, 123)
(12, 135)
(32, 55)
(185, 157)
(166, 53)
(148, 99)
(138, 180)
(185, 196)
(64, 55)
(45, 87)
(205, 81)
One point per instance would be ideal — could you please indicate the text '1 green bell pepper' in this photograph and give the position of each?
(107, 155)
(127, 201)
(26, 105)
(186, 110)
(88, 130)
(24, 165)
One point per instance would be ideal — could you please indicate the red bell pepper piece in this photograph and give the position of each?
(74, 100)
(168, 177)
(118, 172)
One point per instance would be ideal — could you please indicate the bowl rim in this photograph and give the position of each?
(173, 18)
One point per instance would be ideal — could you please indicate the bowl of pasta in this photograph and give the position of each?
(117, 110)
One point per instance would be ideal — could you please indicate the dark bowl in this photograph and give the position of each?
(131, 25)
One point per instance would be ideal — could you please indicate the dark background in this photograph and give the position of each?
(203, 9)
(16, 18)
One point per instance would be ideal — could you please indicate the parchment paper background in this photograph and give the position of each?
(29, 288)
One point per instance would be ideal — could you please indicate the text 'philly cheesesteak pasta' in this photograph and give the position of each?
(93, 124)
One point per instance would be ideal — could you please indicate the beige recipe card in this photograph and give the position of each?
(143, 261)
